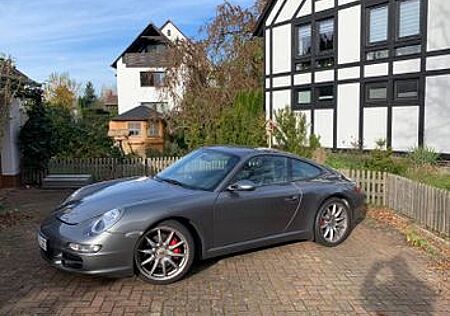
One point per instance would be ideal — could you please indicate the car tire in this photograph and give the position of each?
(333, 222)
(165, 253)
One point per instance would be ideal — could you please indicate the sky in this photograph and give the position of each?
(83, 37)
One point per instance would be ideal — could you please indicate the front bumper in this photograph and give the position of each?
(115, 259)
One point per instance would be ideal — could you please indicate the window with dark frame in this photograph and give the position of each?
(152, 79)
(378, 54)
(304, 40)
(408, 18)
(326, 35)
(405, 40)
(315, 42)
(324, 94)
(406, 89)
(408, 50)
(378, 24)
(377, 92)
(304, 97)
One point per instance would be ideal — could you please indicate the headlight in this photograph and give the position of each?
(106, 221)
(84, 248)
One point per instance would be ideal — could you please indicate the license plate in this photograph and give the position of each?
(42, 242)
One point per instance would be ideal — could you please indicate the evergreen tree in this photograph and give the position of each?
(89, 98)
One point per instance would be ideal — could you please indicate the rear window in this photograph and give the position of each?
(303, 170)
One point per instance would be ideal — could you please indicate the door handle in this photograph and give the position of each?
(293, 198)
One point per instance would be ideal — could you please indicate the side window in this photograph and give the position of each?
(264, 170)
(302, 170)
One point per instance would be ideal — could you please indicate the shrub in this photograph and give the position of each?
(422, 156)
(381, 159)
(291, 133)
(243, 122)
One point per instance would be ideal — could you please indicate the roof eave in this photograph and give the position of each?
(164, 37)
(262, 18)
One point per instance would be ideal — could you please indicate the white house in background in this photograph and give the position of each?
(10, 153)
(141, 69)
(361, 70)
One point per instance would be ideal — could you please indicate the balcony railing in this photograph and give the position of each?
(158, 59)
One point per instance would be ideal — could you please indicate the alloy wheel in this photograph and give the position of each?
(334, 222)
(163, 253)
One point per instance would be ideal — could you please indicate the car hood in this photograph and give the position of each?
(118, 195)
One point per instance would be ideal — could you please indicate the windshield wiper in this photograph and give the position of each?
(175, 182)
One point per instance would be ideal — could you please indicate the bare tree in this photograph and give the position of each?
(214, 70)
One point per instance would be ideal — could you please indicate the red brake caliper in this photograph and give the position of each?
(173, 242)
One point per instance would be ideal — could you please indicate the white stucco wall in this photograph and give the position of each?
(407, 66)
(267, 106)
(348, 115)
(281, 99)
(175, 33)
(271, 18)
(129, 90)
(282, 81)
(10, 154)
(288, 11)
(375, 126)
(323, 127)
(438, 25)
(324, 76)
(437, 113)
(438, 62)
(306, 9)
(282, 48)
(349, 73)
(405, 127)
(324, 5)
(376, 70)
(267, 59)
(349, 35)
(307, 115)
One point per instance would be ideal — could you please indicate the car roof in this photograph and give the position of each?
(244, 151)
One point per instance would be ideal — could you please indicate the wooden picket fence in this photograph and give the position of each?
(101, 169)
(372, 184)
(427, 205)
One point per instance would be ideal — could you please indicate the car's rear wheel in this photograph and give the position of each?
(333, 222)
(165, 253)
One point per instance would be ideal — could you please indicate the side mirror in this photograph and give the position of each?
(244, 185)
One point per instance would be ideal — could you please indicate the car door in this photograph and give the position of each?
(267, 210)
(305, 177)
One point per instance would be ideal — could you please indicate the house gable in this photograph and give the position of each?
(151, 34)
(320, 62)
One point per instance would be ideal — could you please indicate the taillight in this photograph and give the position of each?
(357, 188)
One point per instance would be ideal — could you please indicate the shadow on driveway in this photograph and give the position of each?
(390, 286)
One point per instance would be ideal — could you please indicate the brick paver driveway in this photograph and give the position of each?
(374, 272)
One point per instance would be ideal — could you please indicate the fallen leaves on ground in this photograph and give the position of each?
(435, 247)
(12, 218)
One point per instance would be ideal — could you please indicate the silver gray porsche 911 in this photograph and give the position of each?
(215, 201)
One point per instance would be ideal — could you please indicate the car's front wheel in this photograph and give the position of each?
(165, 253)
(332, 224)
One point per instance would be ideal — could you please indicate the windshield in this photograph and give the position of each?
(203, 169)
